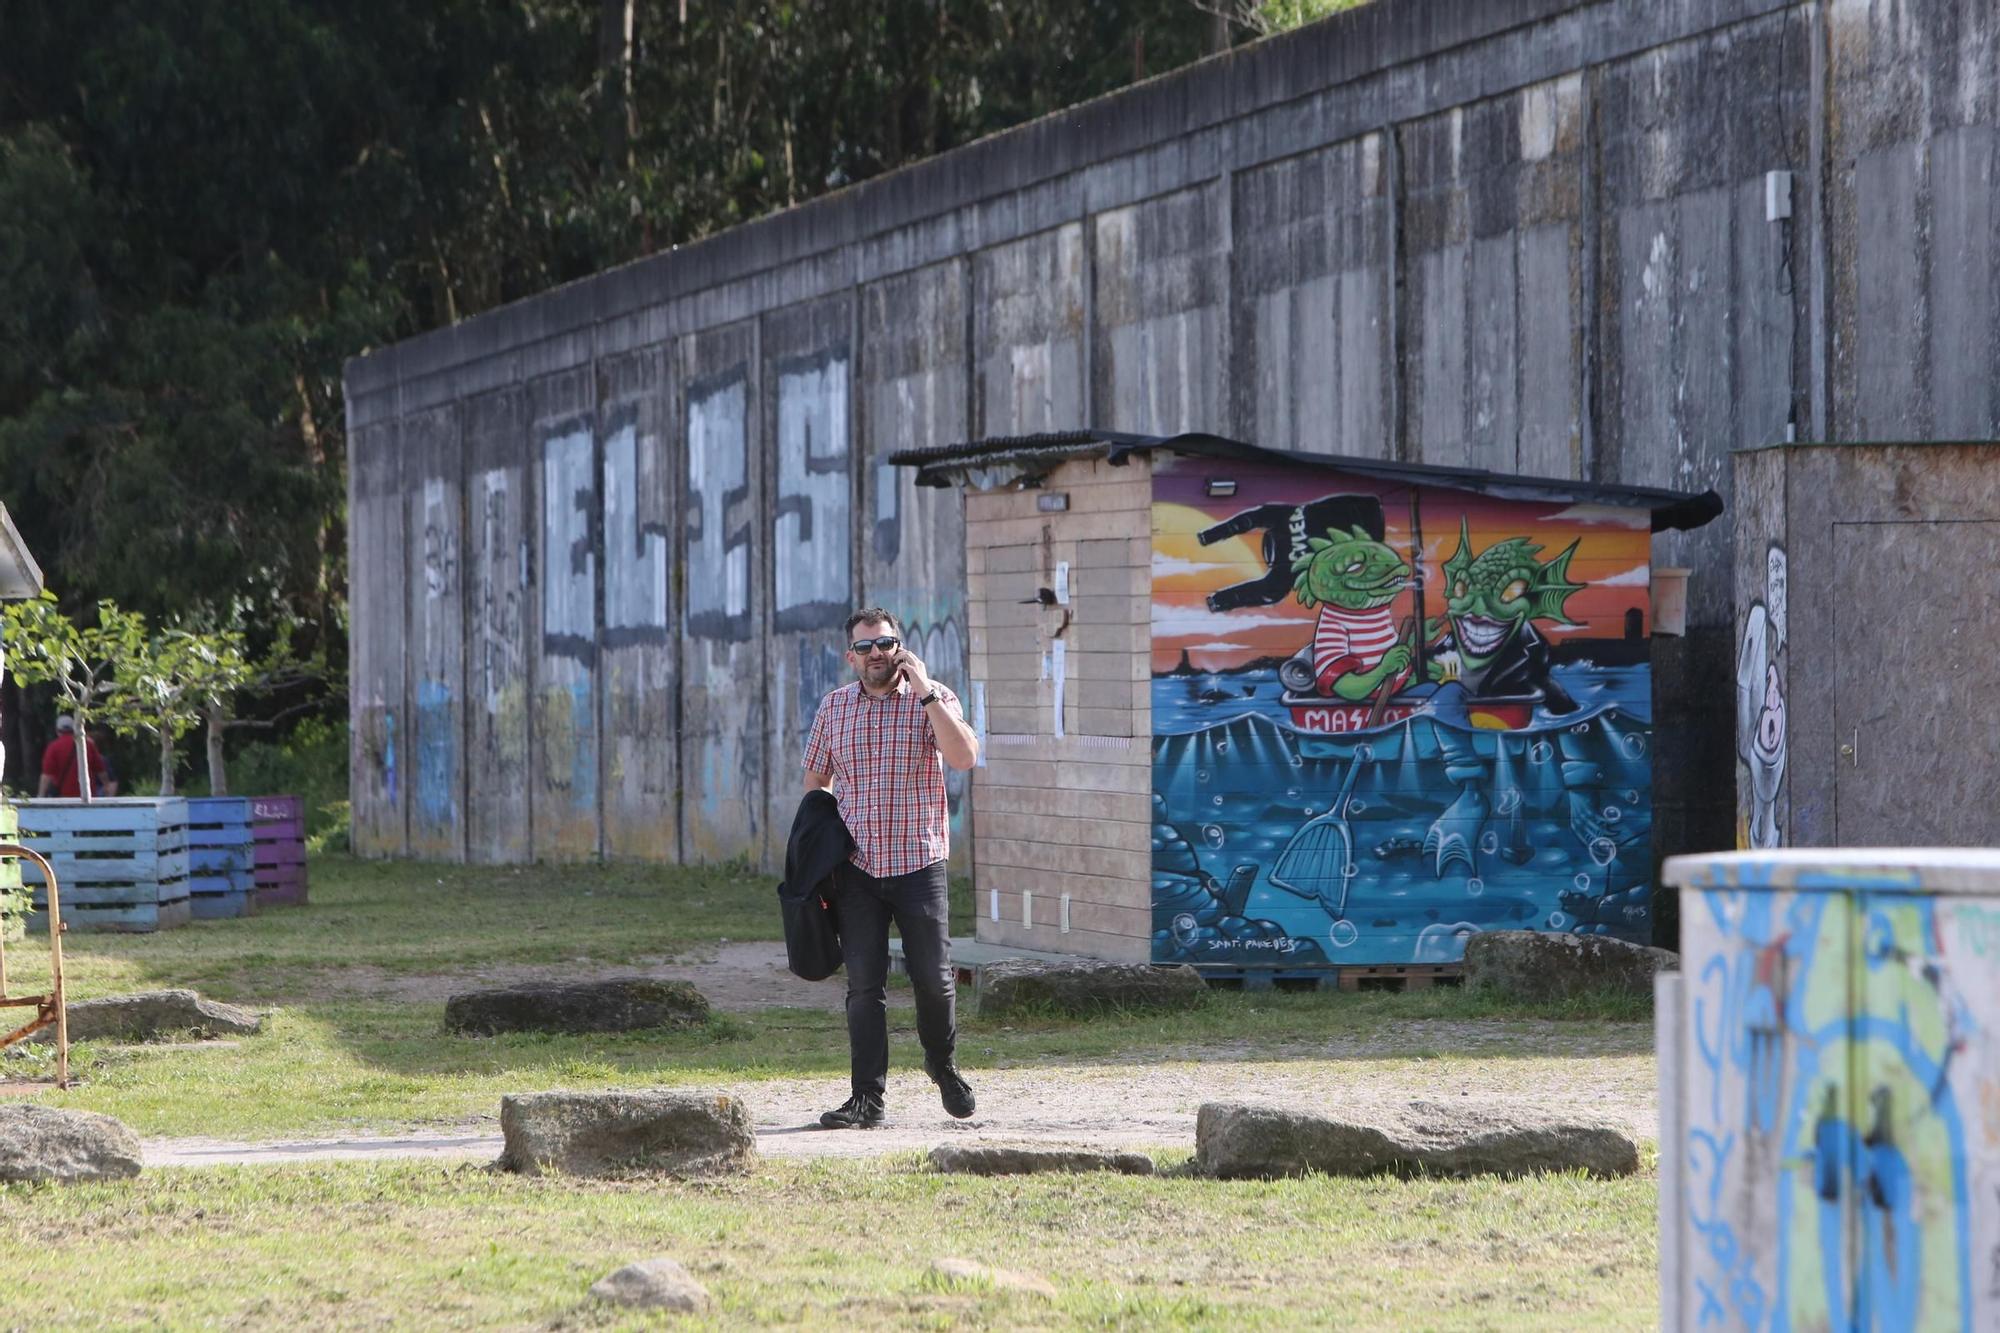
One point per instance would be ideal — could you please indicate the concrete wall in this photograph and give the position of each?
(1521, 234)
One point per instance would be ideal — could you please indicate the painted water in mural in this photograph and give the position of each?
(1842, 1122)
(1388, 717)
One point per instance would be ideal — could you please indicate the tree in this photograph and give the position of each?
(80, 662)
(165, 682)
(277, 673)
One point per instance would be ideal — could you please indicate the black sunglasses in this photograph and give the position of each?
(887, 643)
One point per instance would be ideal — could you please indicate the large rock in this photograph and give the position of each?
(1236, 1141)
(952, 1270)
(1533, 965)
(625, 1133)
(621, 1005)
(158, 1013)
(1085, 986)
(652, 1284)
(1001, 1159)
(43, 1143)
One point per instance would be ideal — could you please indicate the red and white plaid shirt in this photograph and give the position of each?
(888, 776)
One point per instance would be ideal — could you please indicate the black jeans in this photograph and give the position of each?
(916, 902)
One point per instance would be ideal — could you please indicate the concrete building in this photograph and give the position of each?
(599, 537)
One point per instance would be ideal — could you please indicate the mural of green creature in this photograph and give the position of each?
(1353, 579)
(1491, 603)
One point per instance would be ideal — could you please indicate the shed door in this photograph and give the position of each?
(1916, 685)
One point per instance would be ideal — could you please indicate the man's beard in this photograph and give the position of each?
(878, 674)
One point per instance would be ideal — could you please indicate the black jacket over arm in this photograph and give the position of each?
(820, 843)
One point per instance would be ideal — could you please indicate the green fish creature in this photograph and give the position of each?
(1352, 578)
(1491, 602)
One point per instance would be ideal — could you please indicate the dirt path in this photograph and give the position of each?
(1102, 1105)
(743, 975)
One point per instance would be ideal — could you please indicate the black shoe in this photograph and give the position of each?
(953, 1092)
(861, 1111)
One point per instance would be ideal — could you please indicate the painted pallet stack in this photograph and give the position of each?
(278, 823)
(220, 855)
(10, 871)
(122, 862)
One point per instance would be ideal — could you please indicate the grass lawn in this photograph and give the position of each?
(814, 1242)
(831, 1244)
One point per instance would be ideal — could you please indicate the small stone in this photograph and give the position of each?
(652, 1284)
(1000, 1279)
(1085, 987)
(1234, 1141)
(621, 1005)
(1540, 966)
(152, 1014)
(1001, 1159)
(44, 1143)
(626, 1133)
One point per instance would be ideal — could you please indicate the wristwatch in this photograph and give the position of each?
(928, 699)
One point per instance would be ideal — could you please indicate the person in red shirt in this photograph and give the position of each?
(882, 743)
(60, 770)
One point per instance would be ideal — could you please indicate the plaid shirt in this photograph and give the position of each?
(888, 776)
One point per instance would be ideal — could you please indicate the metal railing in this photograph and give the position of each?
(48, 1007)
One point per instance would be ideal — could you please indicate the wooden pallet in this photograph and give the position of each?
(1383, 976)
(278, 861)
(220, 851)
(122, 862)
(11, 927)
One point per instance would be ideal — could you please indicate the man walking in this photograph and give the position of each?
(881, 742)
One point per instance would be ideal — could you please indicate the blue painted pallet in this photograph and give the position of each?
(137, 918)
(123, 863)
(213, 906)
(222, 853)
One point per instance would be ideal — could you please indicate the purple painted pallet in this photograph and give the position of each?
(278, 824)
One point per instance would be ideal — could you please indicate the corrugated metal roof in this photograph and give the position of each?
(20, 576)
(950, 465)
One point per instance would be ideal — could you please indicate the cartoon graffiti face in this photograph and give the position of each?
(1777, 597)
(1350, 570)
(1490, 596)
(1770, 742)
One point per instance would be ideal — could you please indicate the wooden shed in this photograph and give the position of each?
(1282, 712)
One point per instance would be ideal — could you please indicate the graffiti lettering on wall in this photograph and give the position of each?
(1832, 1059)
(503, 580)
(905, 428)
(809, 552)
(1760, 708)
(440, 541)
(1386, 718)
(569, 570)
(718, 554)
(437, 754)
(635, 551)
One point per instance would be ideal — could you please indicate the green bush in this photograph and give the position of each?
(310, 763)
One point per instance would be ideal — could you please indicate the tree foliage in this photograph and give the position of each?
(166, 682)
(81, 663)
(205, 209)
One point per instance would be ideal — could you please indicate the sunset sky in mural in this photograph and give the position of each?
(1612, 557)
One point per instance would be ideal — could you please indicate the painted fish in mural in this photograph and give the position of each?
(1492, 600)
(1454, 833)
(1352, 578)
